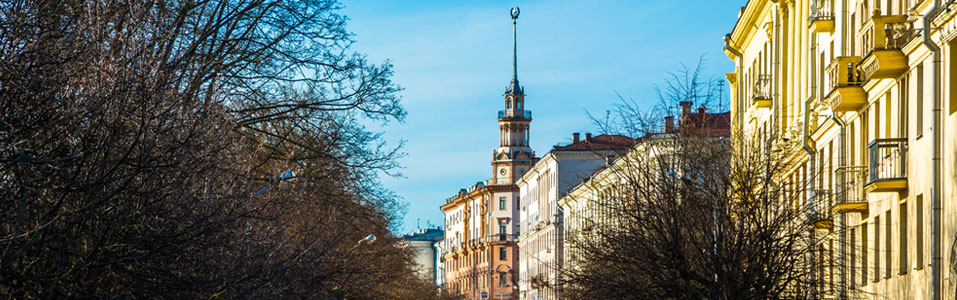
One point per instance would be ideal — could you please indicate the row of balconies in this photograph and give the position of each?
(886, 172)
(882, 39)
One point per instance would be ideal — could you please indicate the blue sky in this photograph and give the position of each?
(454, 59)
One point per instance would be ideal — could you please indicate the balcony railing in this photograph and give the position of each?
(849, 195)
(882, 38)
(821, 17)
(888, 165)
(504, 238)
(846, 88)
(818, 208)
(821, 10)
(761, 93)
(522, 114)
(887, 32)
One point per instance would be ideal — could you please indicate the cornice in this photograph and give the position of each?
(748, 22)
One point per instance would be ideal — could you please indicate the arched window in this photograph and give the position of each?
(518, 104)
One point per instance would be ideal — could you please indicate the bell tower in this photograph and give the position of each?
(513, 157)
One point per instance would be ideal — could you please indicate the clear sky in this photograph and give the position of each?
(454, 59)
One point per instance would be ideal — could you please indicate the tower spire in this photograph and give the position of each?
(514, 88)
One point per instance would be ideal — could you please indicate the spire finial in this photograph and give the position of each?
(514, 87)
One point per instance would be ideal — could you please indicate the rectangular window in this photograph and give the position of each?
(501, 229)
(853, 256)
(888, 228)
(920, 100)
(887, 114)
(876, 120)
(864, 253)
(902, 237)
(877, 248)
(919, 235)
(502, 278)
(501, 203)
(503, 253)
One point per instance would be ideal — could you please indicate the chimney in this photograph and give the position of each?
(685, 108)
(588, 136)
(701, 109)
(669, 123)
(575, 137)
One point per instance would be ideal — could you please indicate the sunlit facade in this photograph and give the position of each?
(862, 93)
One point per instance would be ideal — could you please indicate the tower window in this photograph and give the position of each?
(501, 203)
(503, 253)
(508, 104)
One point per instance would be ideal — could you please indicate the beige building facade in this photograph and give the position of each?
(864, 91)
(540, 240)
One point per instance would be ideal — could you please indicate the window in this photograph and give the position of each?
(920, 100)
(887, 243)
(501, 229)
(503, 253)
(501, 203)
(853, 256)
(864, 253)
(902, 237)
(502, 278)
(877, 247)
(919, 235)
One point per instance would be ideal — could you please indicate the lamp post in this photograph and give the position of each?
(282, 176)
(714, 219)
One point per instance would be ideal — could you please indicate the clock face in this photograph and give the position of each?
(502, 171)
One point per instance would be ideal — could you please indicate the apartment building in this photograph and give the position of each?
(863, 93)
(541, 233)
(589, 204)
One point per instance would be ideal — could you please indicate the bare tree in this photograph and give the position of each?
(686, 216)
(189, 149)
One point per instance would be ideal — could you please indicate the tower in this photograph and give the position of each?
(513, 156)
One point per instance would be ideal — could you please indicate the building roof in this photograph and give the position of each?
(705, 123)
(601, 142)
(428, 234)
(514, 88)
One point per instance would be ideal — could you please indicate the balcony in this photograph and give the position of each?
(883, 37)
(888, 165)
(500, 238)
(516, 114)
(818, 209)
(846, 90)
(849, 195)
(761, 94)
(822, 16)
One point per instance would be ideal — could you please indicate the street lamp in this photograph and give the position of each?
(714, 219)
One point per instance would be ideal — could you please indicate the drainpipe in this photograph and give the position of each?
(843, 236)
(777, 73)
(807, 117)
(935, 216)
(740, 97)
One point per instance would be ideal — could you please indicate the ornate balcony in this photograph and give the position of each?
(849, 195)
(517, 114)
(818, 209)
(883, 37)
(846, 90)
(888, 165)
(822, 16)
(503, 238)
(761, 93)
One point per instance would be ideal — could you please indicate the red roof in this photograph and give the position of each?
(706, 123)
(601, 142)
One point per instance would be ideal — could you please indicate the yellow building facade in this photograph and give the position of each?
(863, 93)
